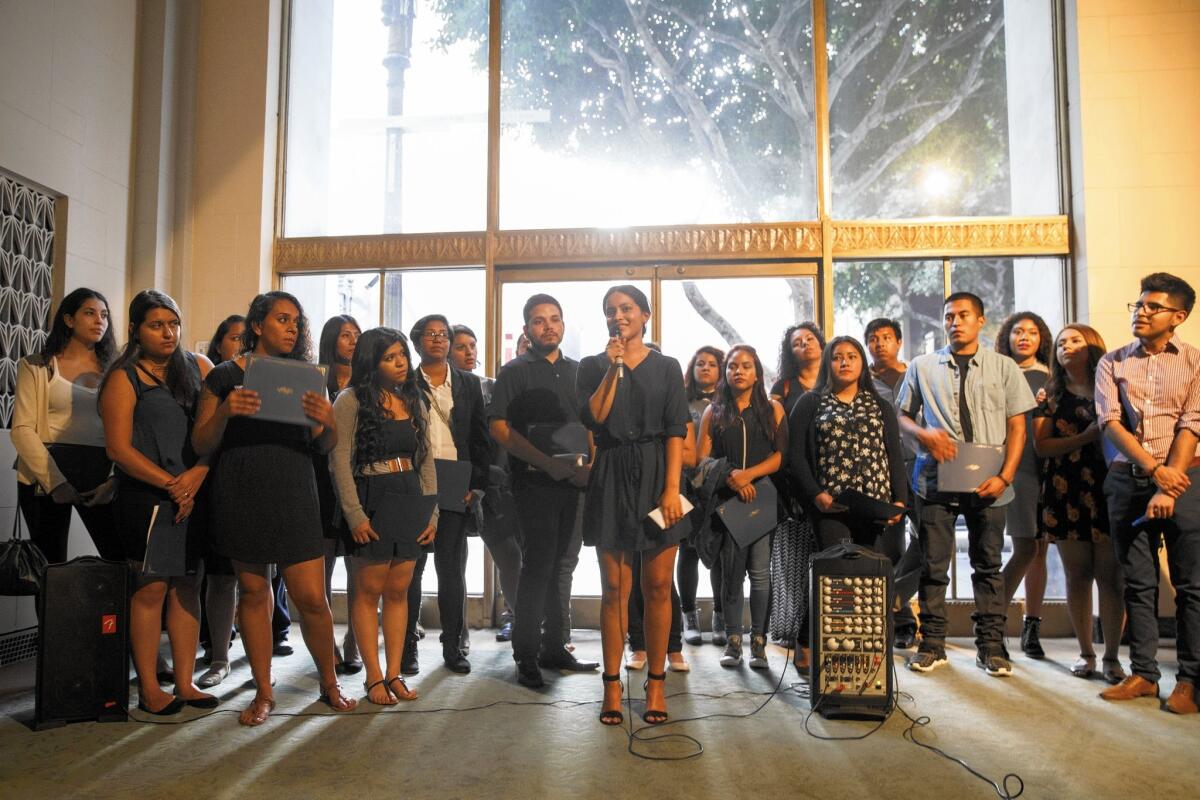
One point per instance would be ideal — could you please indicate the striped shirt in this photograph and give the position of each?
(1152, 395)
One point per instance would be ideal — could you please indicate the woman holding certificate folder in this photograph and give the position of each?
(845, 438)
(148, 402)
(746, 429)
(386, 486)
(265, 508)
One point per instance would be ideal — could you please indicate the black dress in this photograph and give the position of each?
(629, 473)
(264, 492)
(400, 440)
(1072, 499)
(162, 432)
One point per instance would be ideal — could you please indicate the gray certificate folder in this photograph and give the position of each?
(280, 383)
(454, 481)
(166, 543)
(973, 465)
(402, 517)
(567, 440)
(749, 522)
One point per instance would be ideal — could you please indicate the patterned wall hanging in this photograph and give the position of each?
(26, 278)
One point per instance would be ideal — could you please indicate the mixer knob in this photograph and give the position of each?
(827, 581)
(832, 644)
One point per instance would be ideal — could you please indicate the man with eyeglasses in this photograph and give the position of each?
(1148, 404)
(457, 432)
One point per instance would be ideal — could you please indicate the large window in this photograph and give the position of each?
(942, 108)
(896, 149)
(387, 118)
(628, 113)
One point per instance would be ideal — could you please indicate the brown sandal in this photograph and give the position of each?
(256, 717)
(343, 703)
(405, 693)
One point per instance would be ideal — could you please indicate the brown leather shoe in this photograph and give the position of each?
(1131, 687)
(1183, 699)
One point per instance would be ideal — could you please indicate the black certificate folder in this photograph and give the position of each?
(454, 481)
(749, 522)
(166, 543)
(561, 440)
(402, 517)
(280, 383)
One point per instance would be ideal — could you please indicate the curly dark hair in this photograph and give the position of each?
(788, 368)
(327, 348)
(260, 307)
(60, 334)
(1045, 338)
(690, 389)
(724, 409)
(369, 444)
(214, 345)
(181, 380)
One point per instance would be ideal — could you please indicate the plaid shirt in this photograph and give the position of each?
(1154, 396)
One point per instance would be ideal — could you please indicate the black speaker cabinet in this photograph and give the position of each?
(851, 629)
(83, 643)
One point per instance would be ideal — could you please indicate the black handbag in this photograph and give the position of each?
(22, 565)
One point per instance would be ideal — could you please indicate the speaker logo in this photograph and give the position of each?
(108, 624)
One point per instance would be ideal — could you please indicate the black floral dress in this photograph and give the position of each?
(1072, 499)
(849, 445)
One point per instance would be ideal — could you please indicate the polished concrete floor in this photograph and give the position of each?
(482, 736)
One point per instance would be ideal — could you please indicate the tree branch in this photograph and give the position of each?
(710, 315)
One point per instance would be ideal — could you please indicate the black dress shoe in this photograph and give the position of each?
(529, 675)
(282, 648)
(174, 707)
(348, 667)
(505, 633)
(563, 660)
(203, 702)
(456, 662)
(905, 638)
(409, 662)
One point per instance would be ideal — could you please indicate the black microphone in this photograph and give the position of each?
(614, 330)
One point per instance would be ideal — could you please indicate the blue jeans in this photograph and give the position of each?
(985, 540)
(1137, 551)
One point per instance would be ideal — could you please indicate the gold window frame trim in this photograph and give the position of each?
(852, 239)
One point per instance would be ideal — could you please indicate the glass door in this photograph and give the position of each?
(694, 305)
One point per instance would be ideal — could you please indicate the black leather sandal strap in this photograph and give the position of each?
(656, 676)
(610, 678)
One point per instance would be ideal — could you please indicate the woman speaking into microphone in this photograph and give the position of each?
(632, 399)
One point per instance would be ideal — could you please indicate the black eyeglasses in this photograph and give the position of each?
(1150, 309)
(436, 336)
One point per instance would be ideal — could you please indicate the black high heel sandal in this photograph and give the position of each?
(612, 717)
(653, 716)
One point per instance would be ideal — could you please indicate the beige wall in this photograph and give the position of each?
(232, 197)
(1137, 172)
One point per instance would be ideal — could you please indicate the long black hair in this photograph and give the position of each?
(690, 389)
(60, 334)
(327, 347)
(1045, 338)
(260, 307)
(824, 384)
(182, 380)
(1058, 374)
(364, 382)
(214, 345)
(788, 366)
(724, 408)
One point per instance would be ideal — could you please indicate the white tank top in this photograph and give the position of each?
(73, 416)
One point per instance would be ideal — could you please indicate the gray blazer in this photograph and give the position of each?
(341, 462)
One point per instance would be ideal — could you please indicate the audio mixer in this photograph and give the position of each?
(851, 632)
